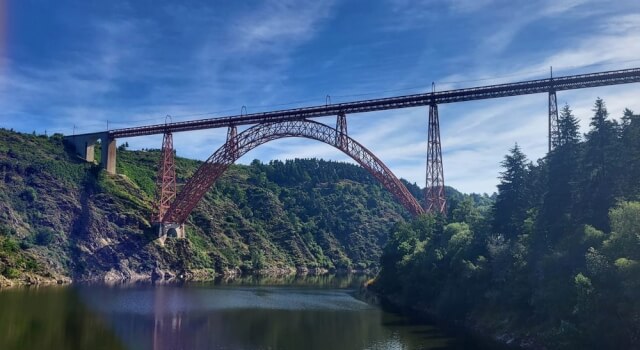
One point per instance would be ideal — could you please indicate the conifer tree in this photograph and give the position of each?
(599, 169)
(630, 156)
(510, 208)
(563, 163)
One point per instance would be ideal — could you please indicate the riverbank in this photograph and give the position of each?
(489, 334)
(158, 275)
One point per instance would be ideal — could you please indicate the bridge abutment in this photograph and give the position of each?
(85, 148)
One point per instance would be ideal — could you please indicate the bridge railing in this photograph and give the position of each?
(451, 96)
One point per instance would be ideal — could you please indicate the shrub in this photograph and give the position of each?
(9, 245)
(29, 195)
(44, 236)
(6, 230)
(11, 273)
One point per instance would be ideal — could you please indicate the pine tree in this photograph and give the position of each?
(630, 156)
(554, 219)
(568, 128)
(600, 167)
(510, 208)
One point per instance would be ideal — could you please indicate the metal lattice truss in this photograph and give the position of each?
(166, 179)
(435, 197)
(259, 134)
(554, 128)
(624, 76)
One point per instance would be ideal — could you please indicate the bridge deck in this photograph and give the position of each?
(571, 82)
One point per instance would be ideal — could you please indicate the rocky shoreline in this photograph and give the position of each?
(159, 275)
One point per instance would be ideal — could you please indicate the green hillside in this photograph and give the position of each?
(62, 218)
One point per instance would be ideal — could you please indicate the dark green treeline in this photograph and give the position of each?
(554, 262)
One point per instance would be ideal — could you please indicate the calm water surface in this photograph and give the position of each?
(294, 313)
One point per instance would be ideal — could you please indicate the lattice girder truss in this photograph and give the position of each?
(554, 128)
(435, 199)
(166, 178)
(220, 160)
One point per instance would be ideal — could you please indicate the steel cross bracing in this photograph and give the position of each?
(232, 140)
(554, 128)
(435, 199)
(166, 179)
(259, 134)
(580, 81)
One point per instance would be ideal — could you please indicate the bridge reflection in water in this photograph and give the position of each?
(256, 317)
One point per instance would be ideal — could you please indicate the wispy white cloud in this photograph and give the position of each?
(506, 31)
(242, 58)
(277, 24)
(476, 135)
(555, 7)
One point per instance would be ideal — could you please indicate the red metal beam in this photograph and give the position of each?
(166, 179)
(234, 148)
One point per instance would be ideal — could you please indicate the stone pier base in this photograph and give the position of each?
(170, 231)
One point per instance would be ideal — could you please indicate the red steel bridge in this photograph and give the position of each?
(173, 207)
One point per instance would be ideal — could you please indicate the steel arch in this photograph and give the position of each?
(259, 134)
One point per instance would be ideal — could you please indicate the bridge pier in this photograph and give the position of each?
(232, 140)
(435, 200)
(554, 128)
(166, 188)
(108, 156)
(85, 148)
(341, 130)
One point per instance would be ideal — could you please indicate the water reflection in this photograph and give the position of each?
(50, 318)
(302, 314)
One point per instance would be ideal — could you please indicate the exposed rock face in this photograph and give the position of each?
(5, 282)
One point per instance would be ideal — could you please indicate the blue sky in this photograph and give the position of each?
(86, 63)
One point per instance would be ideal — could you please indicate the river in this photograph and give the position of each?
(254, 313)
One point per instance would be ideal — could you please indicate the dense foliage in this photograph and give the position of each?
(554, 262)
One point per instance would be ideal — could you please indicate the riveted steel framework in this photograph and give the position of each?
(166, 179)
(554, 131)
(259, 134)
(580, 81)
(232, 140)
(434, 193)
(341, 130)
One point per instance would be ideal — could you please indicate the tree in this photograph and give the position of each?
(630, 155)
(465, 211)
(568, 126)
(555, 219)
(510, 208)
(599, 169)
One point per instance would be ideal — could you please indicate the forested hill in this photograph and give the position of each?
(555, 263)
(62, 218)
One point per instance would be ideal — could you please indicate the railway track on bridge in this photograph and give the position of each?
(570, 82)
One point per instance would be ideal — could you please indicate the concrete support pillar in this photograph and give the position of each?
(89, 152)
(108, 155)
(85, 147)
